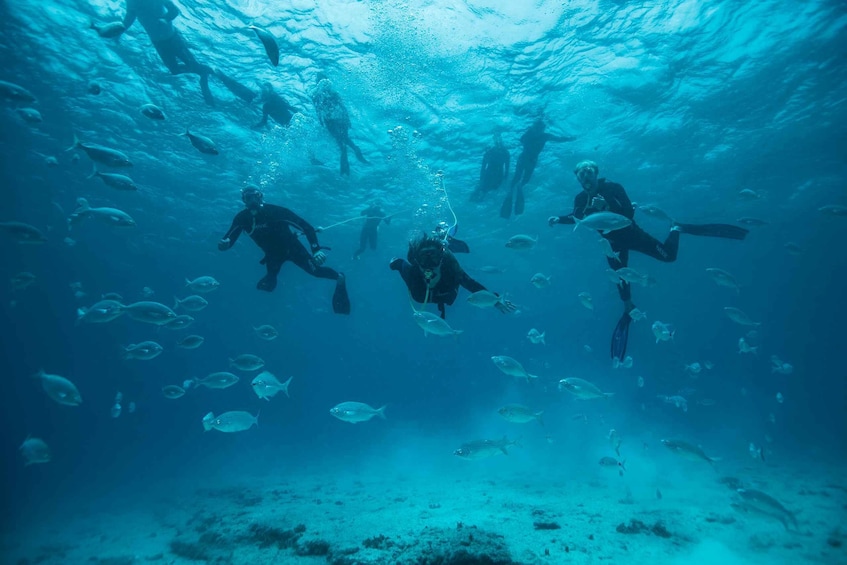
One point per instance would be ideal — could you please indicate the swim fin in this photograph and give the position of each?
(519, 201)
(726, 231)
(620, 336)
(340, 300)
(457, 246)
(506, 208)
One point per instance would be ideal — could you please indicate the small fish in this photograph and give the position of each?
(780, 366)
(22, 280)
(663, 332)
(110, 30)
(266, 332)
(218, 380)
(640, 382)
(202, 285)
(780, 398)
(688, 451)
(536, 337)
(587, 349)
(153, 112)
(679, 401)
(355, 412)
(190, 342)
(521, 242)
(147, 292)
(150, 312)
(484, 299)
(632, 276)
(611, 462)
(604, 222)
(15, 93)
(230, 422)
(511, 367)
(114, 180)
(112, 296)
(751, 222)
(744, 347)
(540, 280)
(143, 351)
(94, 88)
(583, 389)
(172, 392)
(432, 324)
(519, 414)
(693, 369)
(101, 154)
(756, 452)
(722, 278)
(655, 212)
(193, 303)
(586, 300)
(833, 210)
(484, 448)
(637, 315)
(34, 451)
(266, 385)
(625, 364)
(739, 317)
(269, 43)
(180, 322)
(59, 389)
(610, 253)
(247, 362)
(111, 216)
(23, 233)
(765, 505)
(749, 194)
(29, 115)
(202, 143)
(100, 312)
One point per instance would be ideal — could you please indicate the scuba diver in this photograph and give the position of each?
(156, 17)
(494, 170)
(270, 227)
(334, 117)
(433, 275)
(533, 141)
(374, 215)
(274, 106)
(602, 195)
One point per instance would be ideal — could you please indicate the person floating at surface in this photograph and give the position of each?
(334, 117)
(433, 274)
(602, 195)
(270, 227)
(156, 17)
(447, 234)
(533, 141)
(274, 106)
(495, 169)
(373, 216)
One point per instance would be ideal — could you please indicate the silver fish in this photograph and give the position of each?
(540, 280)
(190, 342)
(229, 422)
(484, 299)
(269, 43)
(193, 303)
(111, 216)
(143, 351)
(247, 362)
(266, 385)
(520, 414)
(150, 312)
(153, 112)
(432, 324)
(484, 448)
(202, 143)
(511, 367)
(116, 181)
(582, 389)
(202, 285)
(59, 389)
(219, 380)
(521, 242)
(180, 322)
(15, 93)
(723, 278)
(99, 153)
(604, 222)
(766, 505)
(688, 451)
(23, 233)
(355, 412)
(100, 312)
(172, 392)
(266, 332)
(34, 451)
(536, 337)
(739, 317)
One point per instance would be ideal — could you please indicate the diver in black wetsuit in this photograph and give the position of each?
(270, 227)
(601, 195)
(274, 106)
(494, 170)
(373, 216)
(334, 117)
(533, 141)
(433, 275)
(447, 234)
(156, 17)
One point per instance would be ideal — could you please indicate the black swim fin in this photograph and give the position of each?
(506, 208)
(620, 336)
(519, 201)
(236, 87)
(726, 231)
(340, 300)
(458, 246)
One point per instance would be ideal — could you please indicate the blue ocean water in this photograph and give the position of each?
(685, 104)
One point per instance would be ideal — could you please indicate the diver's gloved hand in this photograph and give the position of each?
(505, 307)
(396, 264)
(599, 204)
(552, 221)
(224, 244)
(319, 257)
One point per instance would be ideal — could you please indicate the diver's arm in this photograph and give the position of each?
(171, 11)
(506, 165)
(232, 234)
(261, 123)
(616, 195)
(299, 223)
(129, 17)
(470, 284)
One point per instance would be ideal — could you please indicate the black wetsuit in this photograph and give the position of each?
(631, 238)
(445, 291)
(334, 117)
(270, 228)
(494, 170)
(374, 215)
(277, 108)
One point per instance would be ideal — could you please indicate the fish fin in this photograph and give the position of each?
(381, 412)
(94, 172)
(539, 418)
(576, 222)
(608, 394)
(256, 417)
(176, 303)
(83, 205)
(285, 386)
(623, 465)
(542, 338)
(39, 374)
(75, 144)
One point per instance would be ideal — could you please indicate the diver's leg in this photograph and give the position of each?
(345, 163)
(372, 238)
(340, 300)
(645, 243)
(356, 150)
(167, 50)
(273, 264)
(363, 243)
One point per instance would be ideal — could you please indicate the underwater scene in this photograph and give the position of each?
(423, 282)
